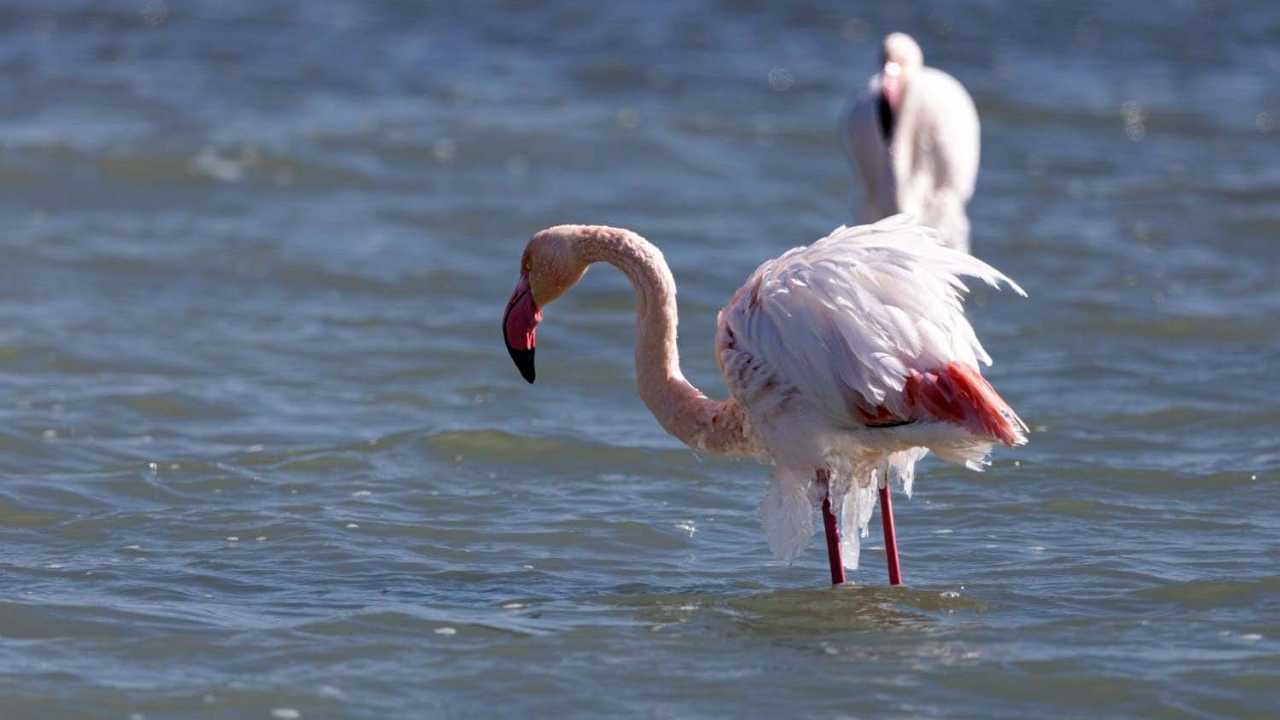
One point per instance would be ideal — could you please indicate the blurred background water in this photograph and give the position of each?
(262, 453)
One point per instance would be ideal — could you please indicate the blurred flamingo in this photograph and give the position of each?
(847, 361)
(913, 138)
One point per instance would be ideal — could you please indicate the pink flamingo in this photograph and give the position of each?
(847, 361)
(913, 138)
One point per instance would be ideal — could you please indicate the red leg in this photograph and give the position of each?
(890, 536)
(833, 534)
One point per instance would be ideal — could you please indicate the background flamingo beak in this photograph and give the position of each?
(520, 327)
(891, 84)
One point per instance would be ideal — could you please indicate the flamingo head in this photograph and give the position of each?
(549, 267)
(902, 56)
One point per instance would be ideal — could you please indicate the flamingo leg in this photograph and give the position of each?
(833, 533)
(890, 535)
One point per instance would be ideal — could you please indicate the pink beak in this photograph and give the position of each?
(520, 327)
(891, 84)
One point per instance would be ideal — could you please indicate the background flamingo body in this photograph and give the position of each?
(913, 140)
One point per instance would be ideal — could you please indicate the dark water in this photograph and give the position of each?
(262, 453)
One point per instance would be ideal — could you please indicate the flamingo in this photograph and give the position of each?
(913, 138)
(846, 361)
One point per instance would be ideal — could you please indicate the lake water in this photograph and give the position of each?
(263, 454)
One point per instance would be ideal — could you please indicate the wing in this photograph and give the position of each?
(857, 323)
(947, 140)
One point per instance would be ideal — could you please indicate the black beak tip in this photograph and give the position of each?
(524, 362)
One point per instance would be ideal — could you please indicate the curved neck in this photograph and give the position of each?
(682, 410)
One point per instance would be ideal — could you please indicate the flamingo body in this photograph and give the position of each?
(854, 353)
(913, 139)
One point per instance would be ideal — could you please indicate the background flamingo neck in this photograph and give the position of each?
(682, 410)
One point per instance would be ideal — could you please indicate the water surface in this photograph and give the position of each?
(262, 453)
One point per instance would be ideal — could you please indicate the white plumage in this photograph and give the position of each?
(840, 350)
(918, 153)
